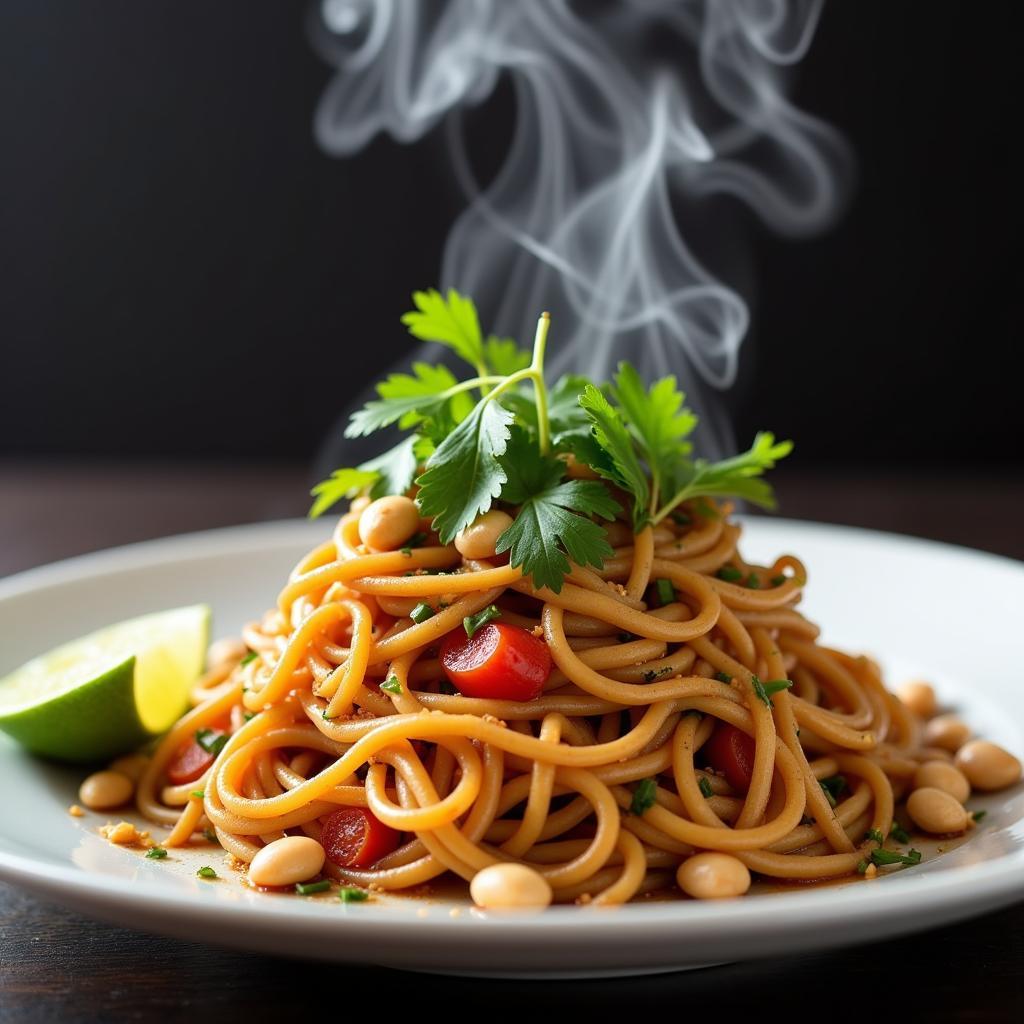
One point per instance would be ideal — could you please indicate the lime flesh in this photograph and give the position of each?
(106, 693)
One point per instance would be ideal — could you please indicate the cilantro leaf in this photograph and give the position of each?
(450, 321)
(738, 477)
(464, 476)
(657, 417)
(395, 469)
(404, 397)
(390, 473)
(343, 483)
(552, 524)
(503, 356)
(527, 472)
(612, 436)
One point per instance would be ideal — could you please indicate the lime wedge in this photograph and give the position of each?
(106, 693)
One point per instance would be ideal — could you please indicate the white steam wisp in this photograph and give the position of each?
(620, 107)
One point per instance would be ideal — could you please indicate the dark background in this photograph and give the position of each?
(183, 273)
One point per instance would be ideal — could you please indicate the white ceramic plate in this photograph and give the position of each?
(948, 614)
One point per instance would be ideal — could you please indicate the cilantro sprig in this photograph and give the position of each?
(501, 435)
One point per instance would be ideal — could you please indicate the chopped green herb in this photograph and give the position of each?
(199, 794)
(156, 853)
(765, 690)
(862, 866)
(680, 519)
(210, 836)
(876, 835)
(248, 715)
(729, 573)
(391, 685)
(421, 613)
(833, 787)
(777, 581)
(899, 833)
(723, 677)
(644, 796)
(978, 815)
(471, 623)
(666, 592)
(251, 656)
(705, 787)
(407, 551)
(753, 582)
(212, 742)
(775, 685)
(206, 872)
(309, 888)
(886, 858)
(415, 541)
(352, 895)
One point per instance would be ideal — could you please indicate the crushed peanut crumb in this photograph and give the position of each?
(124, 833)
(584, 899)
(871, 871)
(75, 811)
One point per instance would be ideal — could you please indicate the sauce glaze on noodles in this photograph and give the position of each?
(634, 694)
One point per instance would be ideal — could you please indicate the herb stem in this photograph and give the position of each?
(540, 390)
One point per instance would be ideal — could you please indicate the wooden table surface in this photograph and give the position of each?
(58, 966)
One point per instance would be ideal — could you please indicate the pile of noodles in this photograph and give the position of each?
(634, 693)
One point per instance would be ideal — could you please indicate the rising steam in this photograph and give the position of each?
(620, 106)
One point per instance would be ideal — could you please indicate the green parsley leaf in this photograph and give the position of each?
(552, 527)
(862, 866)
(394, 469)
(753, 582)
(199, 794)
(353, 895)
(644, 796)
(309, 888)
(705, 787)
(251, 656)
(421, 613)
(657, 420)
(156, 853)
(875, 835)
(614, 439)
(464, 476)
(342, 484)
(504, 357)
(206, 872)
(729, 573)
(450, 321)
(978, 815)
(777, 581)
(738, 477)
(406, 397)
(212, 742)
(471, 623)
(391, 685)
(723, 677)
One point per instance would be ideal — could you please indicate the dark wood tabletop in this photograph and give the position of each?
(58, 966)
